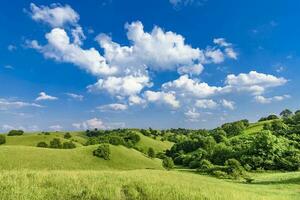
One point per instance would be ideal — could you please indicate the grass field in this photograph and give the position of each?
(142, 185)
(31, 173)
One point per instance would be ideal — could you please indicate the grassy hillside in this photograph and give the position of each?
(142, 185)
(157, 145)
(31, 139)
(81, 158)
(256, 127)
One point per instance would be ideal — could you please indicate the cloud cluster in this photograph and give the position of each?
(43, 96)
(6, 104)
(266, 100)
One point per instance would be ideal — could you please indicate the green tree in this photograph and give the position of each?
(102, 151)
(2, 139)
(151, 152)
(55, 143)
(15, 133)
(68, 145)
(234, 168)
(168, 163)
(67, 135)
(42, 144)
(286, 113)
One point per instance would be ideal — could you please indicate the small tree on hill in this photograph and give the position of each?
(151, 152)
(102, 151)
(68, 145)
(15, 133)
(2, 139)
(67, 135)
(168, 163)
(55, 143)
(42, 144)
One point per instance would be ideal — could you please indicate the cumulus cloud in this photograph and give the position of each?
(162, 98)
(228, 104)
(136, 100)
(122, 86)
(75, 96)
(113, 107)
(90, 124)
(206, 104)
(43, 96)
(253, 82)
(55, 15)
(61, 49)
(185, 86)
(266, 100)
(6, 104)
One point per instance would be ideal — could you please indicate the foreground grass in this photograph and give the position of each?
(139, 184)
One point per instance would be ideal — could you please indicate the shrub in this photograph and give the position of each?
(15, 133)
(68, 145)
(168, 163)
(2, 139)
(102, 151)
(67, 135)
(42, 144)
(234, 168)
(219, 174)
(116, 140)
(55, 143)
(151, 152)
(46, 133)
(205, 165)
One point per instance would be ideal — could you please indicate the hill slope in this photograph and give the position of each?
(157, 145)
(81, 158)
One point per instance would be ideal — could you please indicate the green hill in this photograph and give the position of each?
(157, 145)
(256, 127)
(81, 158)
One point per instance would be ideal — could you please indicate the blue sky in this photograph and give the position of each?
(68, 65)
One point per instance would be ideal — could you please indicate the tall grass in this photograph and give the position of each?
(134, 185)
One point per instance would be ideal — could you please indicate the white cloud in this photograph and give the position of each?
(191, 70)
(222, 42)
(185, 86)
(6, 104)
(7, 127)
(123, 86)
(61, 49)
(113, 106)
(253, 82)
(90, 124)
(43, 96)
(231, 53)
(192, 115)
(162, 98)
(206, 104)
(56, 127)
(228, 104)
(55, 15)
(214, 55)
(8, 67)
(75, 96)
(265, 100)
(136, 100)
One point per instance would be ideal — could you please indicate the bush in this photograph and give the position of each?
(116, 140)
(15, 133)
(55, 143)
(102, 151)
(42, 144)
(68, 145)
(219, 174)
(168, 163)
(151, 152)
(2, 139)
(67, 135)
(234, 168)
(205, 165)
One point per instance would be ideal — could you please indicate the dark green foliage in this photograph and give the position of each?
(102, 151)
(55, 143)
(15, 133)
(168, 163)
(270, 117)
(116, 140)
(67, 135)
(235, 128)
(234, 168)
(286, 113)
(42, 144)
(2, 139)
(68, 145)
(46, 133)
(151, 152)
